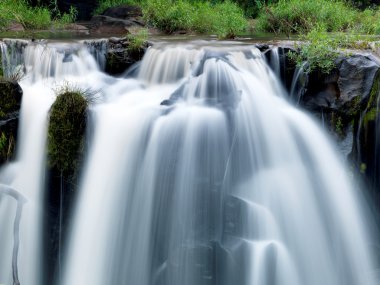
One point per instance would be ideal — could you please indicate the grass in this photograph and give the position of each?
(37, 18)
(301, 16)
(320, 48)
(225, 19)
(105, 4)
(137, 40)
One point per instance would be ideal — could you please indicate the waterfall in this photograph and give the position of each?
(299, 81)
(46, 66)
(198, 171)
(223, 182)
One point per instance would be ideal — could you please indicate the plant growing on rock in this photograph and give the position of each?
(66, 133)
(136, 41)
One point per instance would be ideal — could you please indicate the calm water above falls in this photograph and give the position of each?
(198, 171)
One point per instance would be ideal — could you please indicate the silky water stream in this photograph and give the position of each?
(198, 171)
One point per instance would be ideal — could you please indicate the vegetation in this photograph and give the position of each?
(321, 49)
(137, 40)
(32, 17)
(224, 18)
(301, 16)
(68, 117)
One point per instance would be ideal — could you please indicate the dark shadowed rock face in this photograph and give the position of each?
(126, 12)
(345, 88)
(117, 20)
(120, 56)
(10, 104)
(347, 103)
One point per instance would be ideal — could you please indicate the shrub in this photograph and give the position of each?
(224, 19)
(30, 17)
(301, 16)
(105, 4)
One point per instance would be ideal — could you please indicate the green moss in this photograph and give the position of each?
(66, 130)
(354, 107)
(375, 91)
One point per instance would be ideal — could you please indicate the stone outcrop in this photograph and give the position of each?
(120, 56)
(117, 20)
(10, 104)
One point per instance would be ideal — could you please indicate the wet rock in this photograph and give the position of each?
(119, 57)
(10, 104)
(345, 88)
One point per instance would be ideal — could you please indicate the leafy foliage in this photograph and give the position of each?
(31, 17)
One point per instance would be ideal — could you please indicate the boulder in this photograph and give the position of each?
(106, 25)
(117, 20)
(15, 27)
(120, 57)
(125, 12)
(345, 88)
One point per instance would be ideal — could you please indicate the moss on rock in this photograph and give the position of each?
(10, 98)
(68, 118)
(10, 104)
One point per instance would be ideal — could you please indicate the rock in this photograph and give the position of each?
(340, 97)
(126, 12)
(15, 27)
(77, 28)
(119, 57)
(107, 25)
(345, 88)
(10, 104)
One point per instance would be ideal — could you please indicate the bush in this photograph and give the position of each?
(105, 4)
(301, 16)
(224, 19)
(30, 17)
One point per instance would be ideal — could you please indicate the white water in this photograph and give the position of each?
(46, 67)
(225, 183)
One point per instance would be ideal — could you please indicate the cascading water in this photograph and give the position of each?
(223, 183)
(45, 66)
(198, 172)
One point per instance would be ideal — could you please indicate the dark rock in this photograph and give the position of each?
(10, 104)
(119, 57)
(345, 88)
(117, 20)
(104, 24)
(126, 12)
